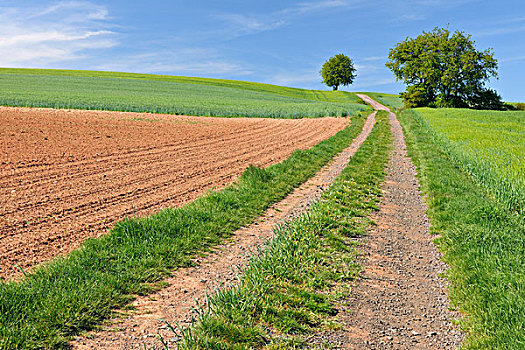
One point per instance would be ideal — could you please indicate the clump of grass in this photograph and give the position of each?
(482, 240)
(288, 291)
(75, 293)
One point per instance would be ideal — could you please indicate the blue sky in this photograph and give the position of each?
(278, 42)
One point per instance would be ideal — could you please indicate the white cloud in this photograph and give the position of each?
(366, 67)
(512, 59)
(420, 10)
(499, 30)
(307, 7)
(371, 83)
(247, 24)
(61, 32)
(75, 10)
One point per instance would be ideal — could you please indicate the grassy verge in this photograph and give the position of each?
(482, 241)
(74, 293)
(288, 290)
(168, 94)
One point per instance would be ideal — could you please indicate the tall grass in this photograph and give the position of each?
(76, 292)
(288, 290)
(168, 94)
(482, 240)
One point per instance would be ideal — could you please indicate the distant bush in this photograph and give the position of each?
(520, 106)
(487, 99)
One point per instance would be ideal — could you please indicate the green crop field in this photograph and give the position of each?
(168, 94)
(489, 145)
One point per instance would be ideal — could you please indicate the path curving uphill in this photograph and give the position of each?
(68, 175)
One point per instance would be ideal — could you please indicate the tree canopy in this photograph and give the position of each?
(338, 70)
(444, 69)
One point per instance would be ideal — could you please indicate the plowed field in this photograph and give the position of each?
(66, 175)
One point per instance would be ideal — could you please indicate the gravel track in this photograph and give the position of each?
(68, 175)
(400, 302)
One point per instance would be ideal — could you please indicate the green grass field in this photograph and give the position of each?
(168, 94)
(490, 145)
(471, 165)
(464, 160)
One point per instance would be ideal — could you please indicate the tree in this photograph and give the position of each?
(443, 69)
(338, 70)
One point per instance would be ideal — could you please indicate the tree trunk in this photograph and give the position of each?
(335, 87)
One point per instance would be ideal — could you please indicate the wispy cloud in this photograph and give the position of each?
(441, 3)
(420, 10)
(365, 84)
(367, 68)
(181, 61)
(64, 31)
(374, 58)
(313, 6)
(248, 24)
(304, 79)
(512, 59)
(241, 24)
(501, 27)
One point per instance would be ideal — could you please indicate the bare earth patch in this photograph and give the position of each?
(188, 287)
(68, 175)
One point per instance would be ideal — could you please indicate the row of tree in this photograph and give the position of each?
(440, 69)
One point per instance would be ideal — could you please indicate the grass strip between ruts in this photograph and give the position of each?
(76, 292)
(290, 288)
(481, 239)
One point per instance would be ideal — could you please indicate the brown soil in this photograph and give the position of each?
(400, 302)
(68, 175)
(188, 287)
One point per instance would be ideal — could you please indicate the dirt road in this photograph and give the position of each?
(69, 175)
(401, 302)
